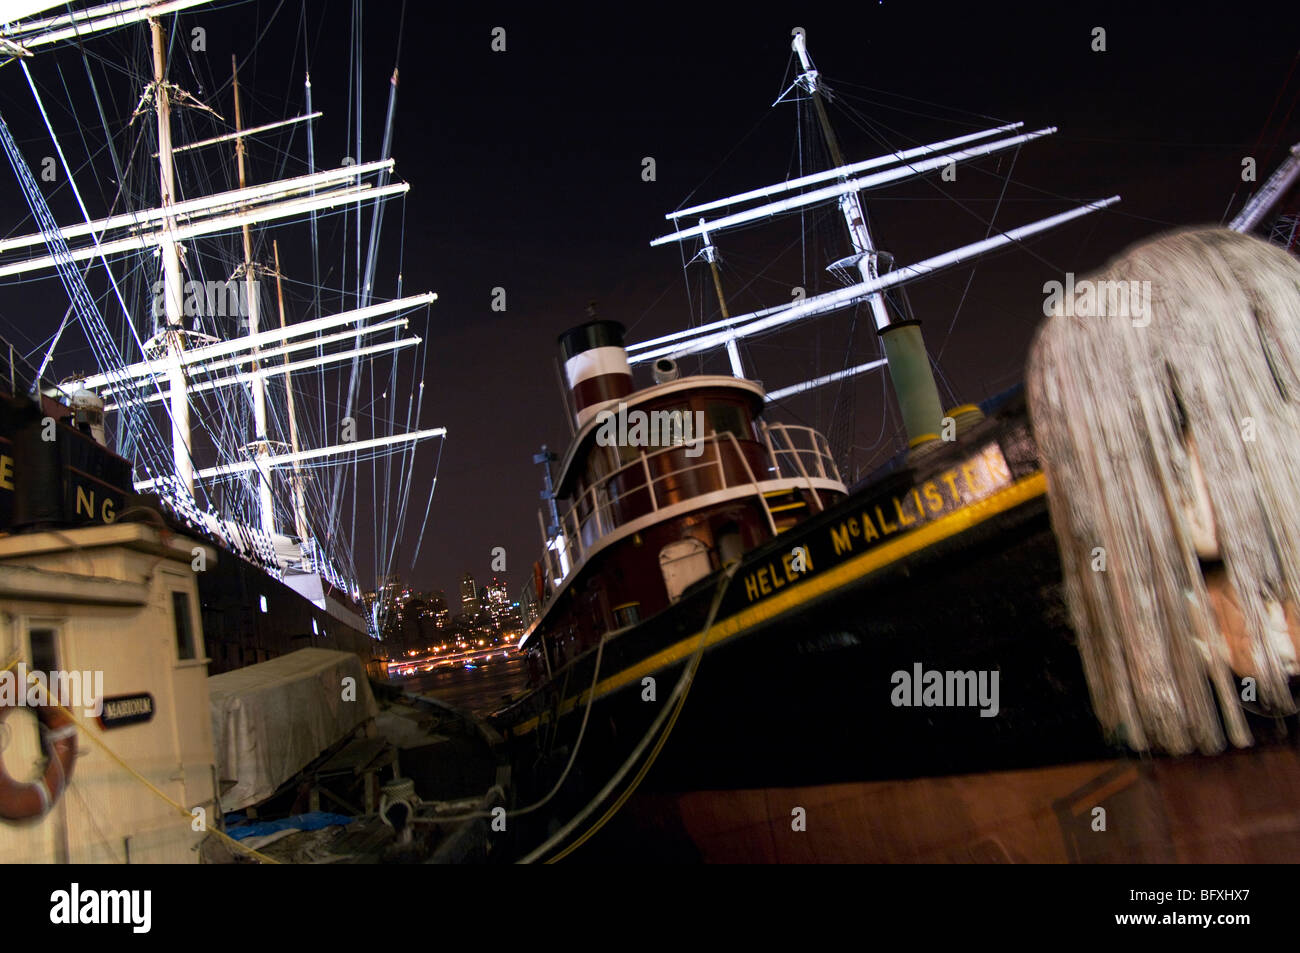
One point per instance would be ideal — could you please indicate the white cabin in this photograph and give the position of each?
(120, 602)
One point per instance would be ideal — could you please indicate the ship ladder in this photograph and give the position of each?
(786, 500)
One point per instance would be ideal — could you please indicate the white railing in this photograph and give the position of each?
(788, 453)
(800, 453)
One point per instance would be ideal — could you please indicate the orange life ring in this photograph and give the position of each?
(20, 801)
(539, 581)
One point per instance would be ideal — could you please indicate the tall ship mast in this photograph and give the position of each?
(870, 276)
(217, 379)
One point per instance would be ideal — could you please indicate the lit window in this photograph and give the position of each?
(314, 627)
(263, 598)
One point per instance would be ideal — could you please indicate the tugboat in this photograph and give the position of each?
(735, 656)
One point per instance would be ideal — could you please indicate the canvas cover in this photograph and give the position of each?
(270, 720)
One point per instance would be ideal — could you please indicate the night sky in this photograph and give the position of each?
(525, 167)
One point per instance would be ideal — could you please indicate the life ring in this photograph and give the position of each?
(20, 801)
(539, 581)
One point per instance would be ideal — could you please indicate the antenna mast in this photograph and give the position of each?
(710, 253)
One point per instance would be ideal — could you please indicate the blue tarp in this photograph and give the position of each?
(298, 822)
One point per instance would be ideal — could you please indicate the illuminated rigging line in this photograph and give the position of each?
(224, 417)
(73, 282)
(868, 126)
(861, 122)
(970, 277)
(405, 472)
(429, 502)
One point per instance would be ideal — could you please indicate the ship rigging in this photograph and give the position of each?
(254, 411)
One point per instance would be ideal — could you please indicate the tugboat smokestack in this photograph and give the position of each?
(595, 366)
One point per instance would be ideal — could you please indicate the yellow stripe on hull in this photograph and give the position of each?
(850, 571)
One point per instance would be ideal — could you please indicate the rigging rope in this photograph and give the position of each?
(75, 287)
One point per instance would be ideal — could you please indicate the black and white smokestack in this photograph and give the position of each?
(595, 366)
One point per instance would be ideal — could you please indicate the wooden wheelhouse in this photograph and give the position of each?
(660, 488)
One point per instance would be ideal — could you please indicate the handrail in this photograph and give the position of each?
(798, 459)
(573, 525)
(771, 450)
(758, 492)
(819, 449)
(649, 482)
(21, 372)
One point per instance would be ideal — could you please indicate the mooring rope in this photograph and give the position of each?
(1170, 436)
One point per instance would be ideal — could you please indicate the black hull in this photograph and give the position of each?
(807, 698)
(797, 690)
(238, 632)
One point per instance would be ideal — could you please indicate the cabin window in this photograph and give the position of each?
(728, 418)
(600, 462)
(675, 427)
(44, 649)
(604, 514)
(627, 453)
(653, 430)
(184, 625)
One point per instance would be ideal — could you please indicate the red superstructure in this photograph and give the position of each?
(660, 487)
